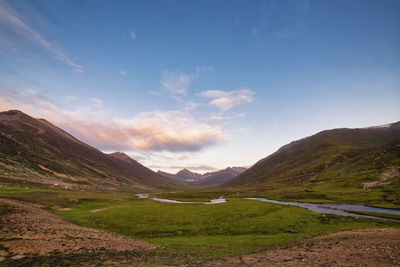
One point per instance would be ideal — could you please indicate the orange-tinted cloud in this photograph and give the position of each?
(230, 99)
(149, 131)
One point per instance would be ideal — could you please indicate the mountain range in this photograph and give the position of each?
(35, 150)
(206, 179)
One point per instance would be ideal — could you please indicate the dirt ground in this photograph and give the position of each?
(368, 247)
(27, 230)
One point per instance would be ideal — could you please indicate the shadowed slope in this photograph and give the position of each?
(36, 149)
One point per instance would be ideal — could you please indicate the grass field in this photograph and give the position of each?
(339, 190)
(191, 232)
(207, 231)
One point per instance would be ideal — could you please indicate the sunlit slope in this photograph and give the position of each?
(37, 150)
(368, 154)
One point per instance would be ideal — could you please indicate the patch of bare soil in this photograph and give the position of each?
(368, 247)
(26, 229)
(383, 179)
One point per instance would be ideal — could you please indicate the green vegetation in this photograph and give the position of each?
(188, 233)
(236, 227)
(336, 191)
(331, 166)
(377, 214)
(358, 166)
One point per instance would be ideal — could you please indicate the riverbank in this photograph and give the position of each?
(359, 211)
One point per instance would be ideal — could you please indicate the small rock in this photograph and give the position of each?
(18, 257)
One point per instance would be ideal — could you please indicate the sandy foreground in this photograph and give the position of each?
(29, 230)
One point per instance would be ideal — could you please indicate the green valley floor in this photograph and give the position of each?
(44, 227)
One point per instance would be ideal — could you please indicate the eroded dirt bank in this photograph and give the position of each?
(26, 229)
(368, 247)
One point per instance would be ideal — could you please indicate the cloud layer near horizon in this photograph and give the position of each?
(174, 131)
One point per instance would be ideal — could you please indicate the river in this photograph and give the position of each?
(337, 209)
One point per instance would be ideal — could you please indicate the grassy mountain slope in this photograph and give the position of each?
(35, 149)
(336, 160)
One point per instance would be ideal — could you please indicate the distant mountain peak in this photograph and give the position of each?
(184, 171)
(206, 179)
(188, 175)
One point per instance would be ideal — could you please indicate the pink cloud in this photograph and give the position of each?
(230, 99)
(148, 131)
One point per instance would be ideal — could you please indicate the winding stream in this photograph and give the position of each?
(337, 209)
(164, 200)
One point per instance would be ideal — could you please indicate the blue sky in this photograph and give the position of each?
(201, 84)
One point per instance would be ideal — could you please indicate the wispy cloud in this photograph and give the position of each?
(177, 83)
(204, 68)
(15, 23)
(174, 131)
(190, 105)
(132, 34)
(97, 103)
(213, 93)
(226, 100)
(122, 72)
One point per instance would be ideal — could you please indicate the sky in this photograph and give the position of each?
(201, 85)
